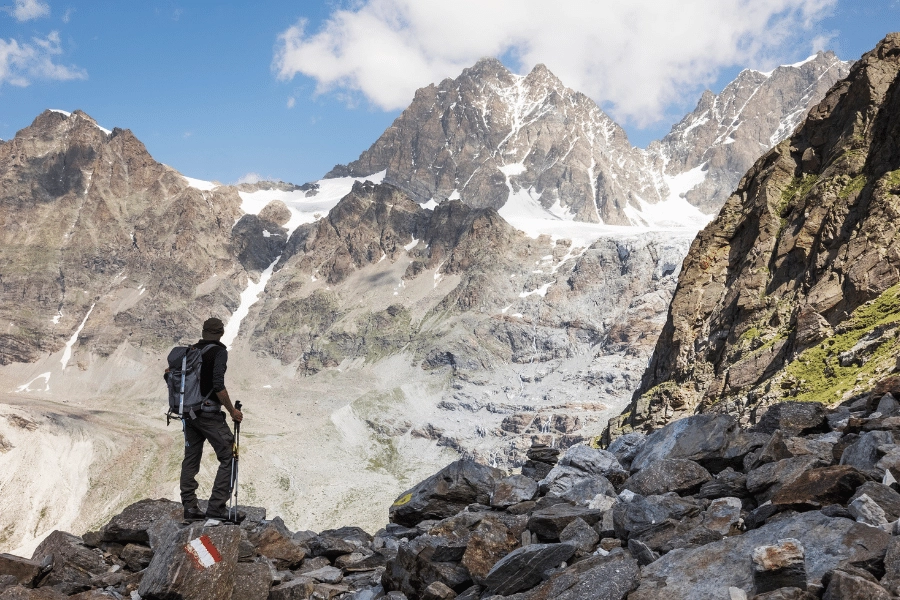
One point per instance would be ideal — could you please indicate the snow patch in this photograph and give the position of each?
(411, 245)
(454, 196)
(199, 184)
(266, 233)
(62, 112)
(248, 298)
(27, 386)
(56, 318)
(541, 291)
(305, 209)
(797, 65)
(513, 169)
(67, 353)
(430, 205)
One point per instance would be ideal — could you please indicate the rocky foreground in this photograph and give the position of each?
(802, 505)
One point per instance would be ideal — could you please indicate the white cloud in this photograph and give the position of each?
(634, 58)
(250, 178)
(25, 10)
(291, 102)
(23, 62)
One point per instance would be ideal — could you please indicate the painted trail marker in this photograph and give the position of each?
(203, 552)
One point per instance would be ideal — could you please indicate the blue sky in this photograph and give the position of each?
(288, 89)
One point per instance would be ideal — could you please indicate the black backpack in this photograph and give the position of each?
(184, 380)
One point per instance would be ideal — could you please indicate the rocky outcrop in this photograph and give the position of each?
(827, 533)
(792, 290)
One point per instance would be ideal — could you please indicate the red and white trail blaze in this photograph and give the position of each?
(203, 552)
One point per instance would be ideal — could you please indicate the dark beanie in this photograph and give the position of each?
(214, 326)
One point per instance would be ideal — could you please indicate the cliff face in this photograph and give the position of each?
(791, 290)
(90, 222)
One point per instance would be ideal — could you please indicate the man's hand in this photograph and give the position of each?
(236, 415)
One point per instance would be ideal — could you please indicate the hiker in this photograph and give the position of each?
(208, 423)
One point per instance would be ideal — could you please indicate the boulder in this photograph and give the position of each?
(723, 516)
(523, 568)
(706, 572)
(332, 543)
(701, 438)
(327, 574)
(252, 581)
(585, 491)
(847, 586)
(663, 476)
(888, 406)
(17, 592)
(728, 483)
(197, 562)
(491, 541)
(513, 490)
(74, 564)
(765, 481)
(891, 579)
(273, 540)
(549, 523)
(23, 570)
(598, 578)
(581, 535)
(820, 487)
(145, 522)
(786, 594)
(865, 510)
(793, 418)
(446, 493)
(415, 567)
(863, 453)
(779, 566)
(438, 591)
(626, 447)
(300, 588)
(883, 495)
(641, 552)
(136, 556)
(594, 462)
(644, 514)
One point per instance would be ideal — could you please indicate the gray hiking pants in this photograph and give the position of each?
(210, 427)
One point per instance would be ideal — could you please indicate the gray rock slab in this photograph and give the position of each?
(74, 564)
(549, 523)
(446, 493)
(197, 562)
(598, 578)
(668, 475)
(581, 535)
(594, 462)
(23, 569)
(252, 581)
(846, 586)
(779, 565)
(699, 438)
(793, 418)
(627, 446)
(883, 495)
(522, 568)
(145, 522)
(863, 453)
(706, 572)
(513, 490)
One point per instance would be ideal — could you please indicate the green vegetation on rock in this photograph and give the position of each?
(819, 370)
(855, 185)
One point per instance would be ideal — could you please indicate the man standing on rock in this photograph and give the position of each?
(209, 425)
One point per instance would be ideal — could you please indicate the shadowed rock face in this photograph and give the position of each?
(489, 132)
(803, 250)
(89, 219)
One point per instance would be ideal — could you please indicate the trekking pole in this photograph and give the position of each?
(235, 457)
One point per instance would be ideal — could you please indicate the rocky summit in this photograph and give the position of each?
(792, 291)
(490, 137)
(803, 505)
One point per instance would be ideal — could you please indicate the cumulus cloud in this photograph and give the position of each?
(634, 58)
(23, 62)
(26, 10)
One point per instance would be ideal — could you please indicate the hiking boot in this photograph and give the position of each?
(193, 513)
(237, 517)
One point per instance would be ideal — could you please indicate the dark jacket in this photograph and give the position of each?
(212, 372)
